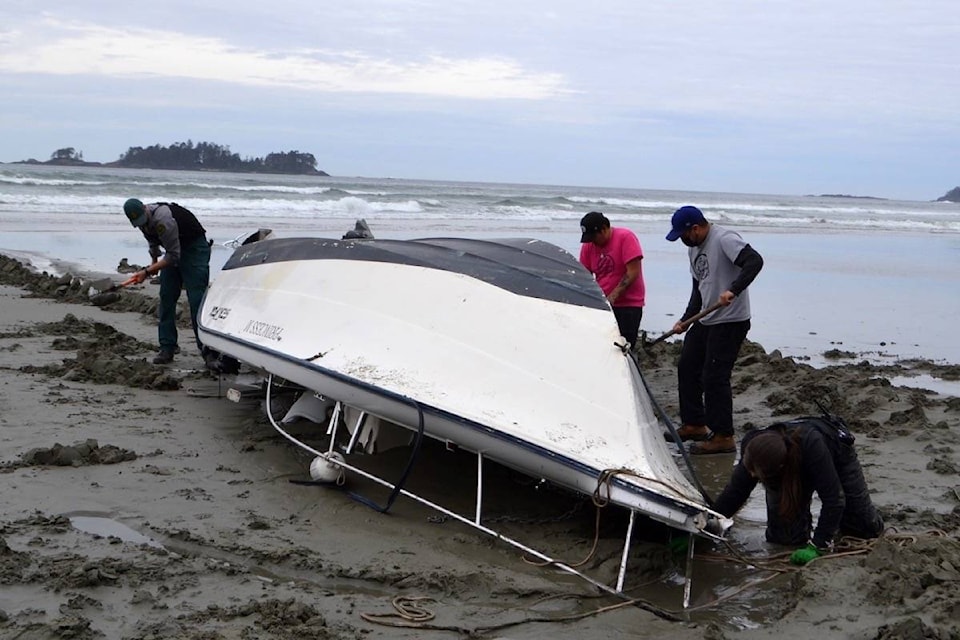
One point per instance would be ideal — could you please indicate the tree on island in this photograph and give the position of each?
(67, 154)
(215, 157)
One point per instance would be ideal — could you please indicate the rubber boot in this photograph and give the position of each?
(716, 443)
(164, 356)
(689, 432)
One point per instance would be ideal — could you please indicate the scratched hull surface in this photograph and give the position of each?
(505, 347)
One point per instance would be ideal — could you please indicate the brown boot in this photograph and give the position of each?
(689, 432)
(716, 443)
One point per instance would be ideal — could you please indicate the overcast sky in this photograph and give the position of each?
(769, 96)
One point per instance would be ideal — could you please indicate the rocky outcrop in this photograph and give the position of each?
(951, 196)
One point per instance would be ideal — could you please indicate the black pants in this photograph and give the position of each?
(703, 373)
(628, 321)
(860, 518)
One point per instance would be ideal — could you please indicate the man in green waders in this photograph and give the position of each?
(180, 253)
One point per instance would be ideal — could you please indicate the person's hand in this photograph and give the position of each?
(727, 297)
(714, 526)
(679, 327)
(805, 555)
(140, 276)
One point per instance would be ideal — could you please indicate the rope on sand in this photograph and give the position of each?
(411, 614)
(779, 563)
(408, 613)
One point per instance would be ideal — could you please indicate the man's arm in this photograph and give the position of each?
(169, 233)
(750, 263)
(694, 304)
(629, 277)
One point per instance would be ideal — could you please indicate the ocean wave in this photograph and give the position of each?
(46, 193)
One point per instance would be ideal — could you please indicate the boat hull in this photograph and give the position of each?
(519, 364)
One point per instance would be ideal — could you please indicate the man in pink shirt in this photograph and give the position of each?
(613, 255)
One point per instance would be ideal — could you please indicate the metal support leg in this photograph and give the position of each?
(688, 577)
(356, 432)
(626, 549)
(476, 517)
(334, 420)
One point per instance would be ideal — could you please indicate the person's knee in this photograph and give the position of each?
(867, 524)
(717, 374)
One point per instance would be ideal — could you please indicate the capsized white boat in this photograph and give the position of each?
(504, 348)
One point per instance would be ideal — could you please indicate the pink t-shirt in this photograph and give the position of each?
(609, 262)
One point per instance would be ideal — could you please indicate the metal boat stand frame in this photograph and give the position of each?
(476, 522)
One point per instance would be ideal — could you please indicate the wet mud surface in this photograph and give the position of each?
(139, 503)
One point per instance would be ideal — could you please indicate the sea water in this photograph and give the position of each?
(879, 278)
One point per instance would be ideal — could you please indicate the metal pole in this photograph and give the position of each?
(626, 548)
(688, 577)
(476, 517)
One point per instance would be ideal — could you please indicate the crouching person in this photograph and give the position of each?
(793, 460)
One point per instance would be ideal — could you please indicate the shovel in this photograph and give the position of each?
(683, 325)
(126, 283)
(100, 298)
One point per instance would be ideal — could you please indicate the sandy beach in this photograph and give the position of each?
(140, 503)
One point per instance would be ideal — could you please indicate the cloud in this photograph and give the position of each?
(85, 49)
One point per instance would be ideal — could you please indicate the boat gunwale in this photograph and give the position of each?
(509, 439)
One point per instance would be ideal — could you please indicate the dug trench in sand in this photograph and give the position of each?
(92, 432)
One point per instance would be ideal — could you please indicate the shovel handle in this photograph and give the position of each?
(689, 321)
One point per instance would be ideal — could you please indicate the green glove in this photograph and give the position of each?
(678, 546)
(805, 555)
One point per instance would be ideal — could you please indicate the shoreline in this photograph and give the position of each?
(793, 313)
(169, 512)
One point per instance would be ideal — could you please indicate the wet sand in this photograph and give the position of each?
(140, 503)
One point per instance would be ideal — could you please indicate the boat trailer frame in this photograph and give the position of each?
(476, 523)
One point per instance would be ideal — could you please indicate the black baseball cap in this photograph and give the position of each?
(591, 224)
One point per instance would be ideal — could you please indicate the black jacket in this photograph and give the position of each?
(822, 456)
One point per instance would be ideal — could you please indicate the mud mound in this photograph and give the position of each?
(104, 355)
(912, 628)
(84, 452)
(923, 575)
(84, 290)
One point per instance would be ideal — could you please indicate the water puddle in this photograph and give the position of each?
(926, 381)
(100, 525)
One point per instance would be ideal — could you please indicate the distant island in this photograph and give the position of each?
(187, 156)
(845, 195)
(951, 196)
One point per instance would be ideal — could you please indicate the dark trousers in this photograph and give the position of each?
(703, 373)
(193, 275)
(628, 321)
(860, 518)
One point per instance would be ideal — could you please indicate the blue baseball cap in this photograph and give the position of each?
(683, 219)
